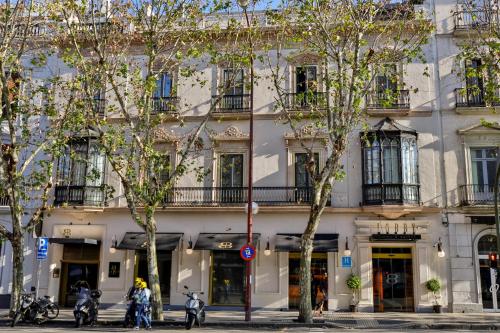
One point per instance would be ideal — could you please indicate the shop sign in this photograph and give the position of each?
(247, 252)
(42, 248)
(225, 245)
(395, 237)
(114, 269)
(346, 262)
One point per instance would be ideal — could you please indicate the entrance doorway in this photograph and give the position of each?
(228, 278)
(319, 279)
(392, 279)
(489, 279)
(80, 263)
(164, 260)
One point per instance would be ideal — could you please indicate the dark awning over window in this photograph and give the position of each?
(321, 243)
(74, 241)
(227, 241)
(137, 241)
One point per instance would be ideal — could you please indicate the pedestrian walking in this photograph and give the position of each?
(141, 298)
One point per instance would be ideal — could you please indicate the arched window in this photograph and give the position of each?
(390, 165)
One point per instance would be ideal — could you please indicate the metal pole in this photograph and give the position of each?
(495, 189)
(248, 291)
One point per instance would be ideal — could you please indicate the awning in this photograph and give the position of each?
(321, 243)
(226, 241)
(137, 241)
(88, 241)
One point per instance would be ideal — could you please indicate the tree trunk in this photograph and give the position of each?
(154, 280)
(305, 306)
(17, 271)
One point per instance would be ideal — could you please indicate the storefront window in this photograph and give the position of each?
(228, 278)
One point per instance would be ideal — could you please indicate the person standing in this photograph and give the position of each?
(142, 303)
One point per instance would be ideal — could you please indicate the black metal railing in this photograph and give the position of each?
(237, 196)
(79, 195)
(479, 18)
(231, 103)
(476, 195)
(475, 97)
(391, 194)
(397, 99)
(304, 100)
(4, 201)
(164, 104)
(99, 106)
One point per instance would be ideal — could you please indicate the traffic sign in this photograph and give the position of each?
(247, 252)
(346, 262)
(42, 248)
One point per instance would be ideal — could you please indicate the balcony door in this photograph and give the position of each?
(234, 86)
(303, 181)
(474, 82)
(306, 86)
(386, 86)
(483, 163)
(231, 178)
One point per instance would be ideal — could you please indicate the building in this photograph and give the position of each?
(410, 189)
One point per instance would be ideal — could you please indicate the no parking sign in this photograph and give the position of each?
(247, 252)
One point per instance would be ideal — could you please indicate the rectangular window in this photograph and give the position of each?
(231, 170)
(306, 79)
(302, 176)
(234, 81)
(386, 79)
(163, 86)
(483, 162)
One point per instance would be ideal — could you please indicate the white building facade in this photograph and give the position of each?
(403, 193)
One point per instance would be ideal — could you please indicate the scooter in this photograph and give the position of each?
(87, 306)
(195, 309)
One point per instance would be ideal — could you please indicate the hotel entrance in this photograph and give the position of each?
(228, 278)
(392, 279)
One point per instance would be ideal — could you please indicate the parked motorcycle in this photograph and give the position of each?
(195, 309)
(35, 310)
(87, 306)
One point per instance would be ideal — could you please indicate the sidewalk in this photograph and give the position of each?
(282, 319)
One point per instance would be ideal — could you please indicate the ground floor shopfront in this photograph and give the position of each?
(393, 257)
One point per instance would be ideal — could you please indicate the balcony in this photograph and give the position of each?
(164, 105)
(479, 18)
(237, 196)
(391, 194)
(476, 195)
(385, 100)
(231, 103)
(72, 195)
(474, 97)
(4, 201)
(305, 100)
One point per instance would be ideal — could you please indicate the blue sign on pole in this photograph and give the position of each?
(42, 248)
(346, 262)
(247, 252)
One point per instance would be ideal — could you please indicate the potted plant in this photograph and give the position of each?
(434, 286)
(354, 283)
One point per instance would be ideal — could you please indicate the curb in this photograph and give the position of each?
(276, 325)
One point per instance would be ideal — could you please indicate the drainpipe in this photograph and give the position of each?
(444, 185)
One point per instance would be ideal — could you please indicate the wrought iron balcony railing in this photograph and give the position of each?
(165, 104)
(237, 196)
(305, 100)
(473, 97)
(479, 18)
(4, 201)
(476, 195)
(391, 194)
(232, 103)
(79, 195)
(398, 99)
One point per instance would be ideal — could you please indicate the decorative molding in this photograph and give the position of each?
(480, 129)
(306, 132)
(231, 133)
(304, 58)
(164, 135)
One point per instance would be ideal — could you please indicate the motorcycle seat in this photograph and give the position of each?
(46, 297)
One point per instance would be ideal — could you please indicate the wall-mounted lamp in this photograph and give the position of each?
(267, 251)
(114, 245)
(347, 251)
(439, 245)
(444, 219)
(189, 249)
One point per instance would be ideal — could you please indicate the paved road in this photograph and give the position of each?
(206, 330)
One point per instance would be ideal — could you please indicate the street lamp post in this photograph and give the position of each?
(248, 289)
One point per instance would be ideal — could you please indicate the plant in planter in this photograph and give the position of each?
(434, 286)
(354, 283)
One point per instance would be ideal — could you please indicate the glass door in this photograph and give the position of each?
(489, 279)
(392, 279)
(228, 278)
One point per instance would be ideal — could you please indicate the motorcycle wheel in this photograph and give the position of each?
(190, 321)
(79, 321)
(52, 311)
(15, 319)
